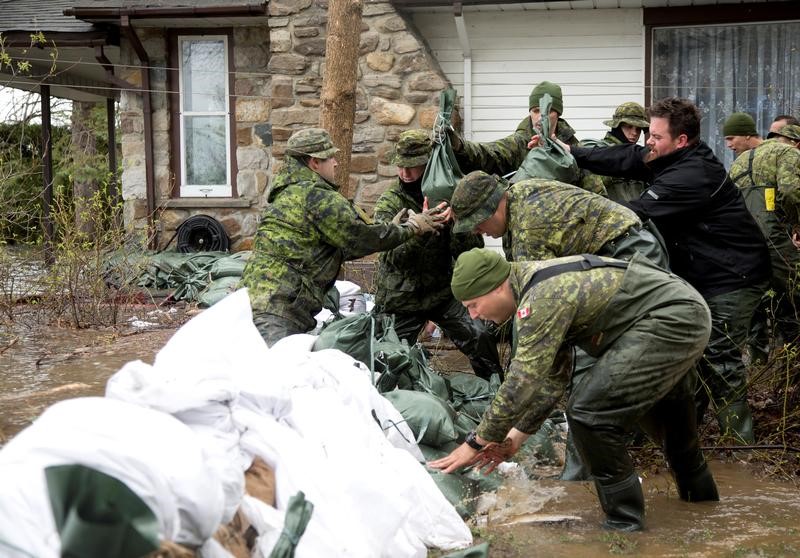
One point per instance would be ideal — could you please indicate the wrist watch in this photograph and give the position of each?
(471, 441)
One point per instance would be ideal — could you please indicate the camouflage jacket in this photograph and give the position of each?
(306, 232)
(505, 155)
(549, 317)
(617, 189)
(415, 276)
(769, 179)
(550, 219)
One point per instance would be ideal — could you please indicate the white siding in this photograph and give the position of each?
(596, 56)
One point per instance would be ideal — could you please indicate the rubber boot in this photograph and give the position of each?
(698, 486)
(623, 503)
(574, 467)
(735, 420)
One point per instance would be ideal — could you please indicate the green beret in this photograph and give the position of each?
(554, 91)
(474, 200)
(477, 272)
(413, 149)
(739, 124)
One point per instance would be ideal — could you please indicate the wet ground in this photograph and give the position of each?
(757, 517)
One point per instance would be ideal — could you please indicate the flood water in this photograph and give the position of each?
(525, 518)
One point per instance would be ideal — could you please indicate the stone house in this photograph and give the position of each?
(210, 90)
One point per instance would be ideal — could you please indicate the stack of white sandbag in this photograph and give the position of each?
(315, 418)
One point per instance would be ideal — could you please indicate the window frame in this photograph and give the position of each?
(177, 140)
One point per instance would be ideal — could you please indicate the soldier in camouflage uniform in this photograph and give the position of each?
(540, 219)
(307, 231)
(627, 125)
(768, 176)
(413, 281)
(645, 326)
(504, 156)
(740, 133)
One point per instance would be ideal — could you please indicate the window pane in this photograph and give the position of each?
(206, 150)
(724, 69)
(204, 75)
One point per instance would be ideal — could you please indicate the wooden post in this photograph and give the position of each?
(47, 176)
(337, 113)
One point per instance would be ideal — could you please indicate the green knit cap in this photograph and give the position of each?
(739, 124)
(474, 200)
(477, 272)
(555, 93)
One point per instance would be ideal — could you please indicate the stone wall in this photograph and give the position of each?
(278, 83)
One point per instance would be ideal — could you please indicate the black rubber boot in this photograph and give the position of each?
(736, 420)
(698, 486)
(623, 503)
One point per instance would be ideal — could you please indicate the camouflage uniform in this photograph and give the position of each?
(769, 178)
(306, 232)
(413, 279)
(550, 219)
(646, 328)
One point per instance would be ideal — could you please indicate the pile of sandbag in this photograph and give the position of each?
(181, 434)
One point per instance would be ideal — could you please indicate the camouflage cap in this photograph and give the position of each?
(311, 142)
(413, 149)
(475, 199)
(791, 131)
(629, 113)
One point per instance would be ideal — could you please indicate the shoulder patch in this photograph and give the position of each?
(523, 312)
(652, 194)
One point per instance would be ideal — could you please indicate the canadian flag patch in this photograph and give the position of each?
(523, 312)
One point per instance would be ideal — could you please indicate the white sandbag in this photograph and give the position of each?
(27, 527)
(351, 298)
(268, 522)
(155, 455)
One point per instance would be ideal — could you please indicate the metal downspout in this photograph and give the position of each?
(466, 51)
(147, 113)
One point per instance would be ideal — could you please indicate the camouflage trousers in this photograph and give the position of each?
(470, 336)
(273, 328)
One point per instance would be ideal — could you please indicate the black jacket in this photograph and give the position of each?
(713, 241)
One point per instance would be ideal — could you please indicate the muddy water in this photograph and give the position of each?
(551, 518)
(548, 518)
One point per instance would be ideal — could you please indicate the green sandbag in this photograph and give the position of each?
(471, 395)
(430, 418)
(217, 290)
(353, 335)
(549, 160)
(231, 265)
(477, 551)
(442, 172)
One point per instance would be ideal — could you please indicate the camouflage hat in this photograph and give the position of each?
(413, 149)
(474, 200)
(311, 142)
(629, 113)
(791, 131)
(478, 272)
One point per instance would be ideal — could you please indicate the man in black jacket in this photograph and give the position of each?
(712, 240)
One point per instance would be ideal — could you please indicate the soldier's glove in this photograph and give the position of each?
(455, 140)
(423, 223)
(401, 216)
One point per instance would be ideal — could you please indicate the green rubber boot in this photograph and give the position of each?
(736, 421)
(623, 503)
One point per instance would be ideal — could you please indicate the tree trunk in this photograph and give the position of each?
(337, 113)
(84, 148)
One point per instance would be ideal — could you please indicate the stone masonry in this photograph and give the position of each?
(277, 85)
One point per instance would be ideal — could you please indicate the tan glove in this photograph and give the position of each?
(400, 218)
(423, 223)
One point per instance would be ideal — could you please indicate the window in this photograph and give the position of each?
(204, 116)
(723, 69)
